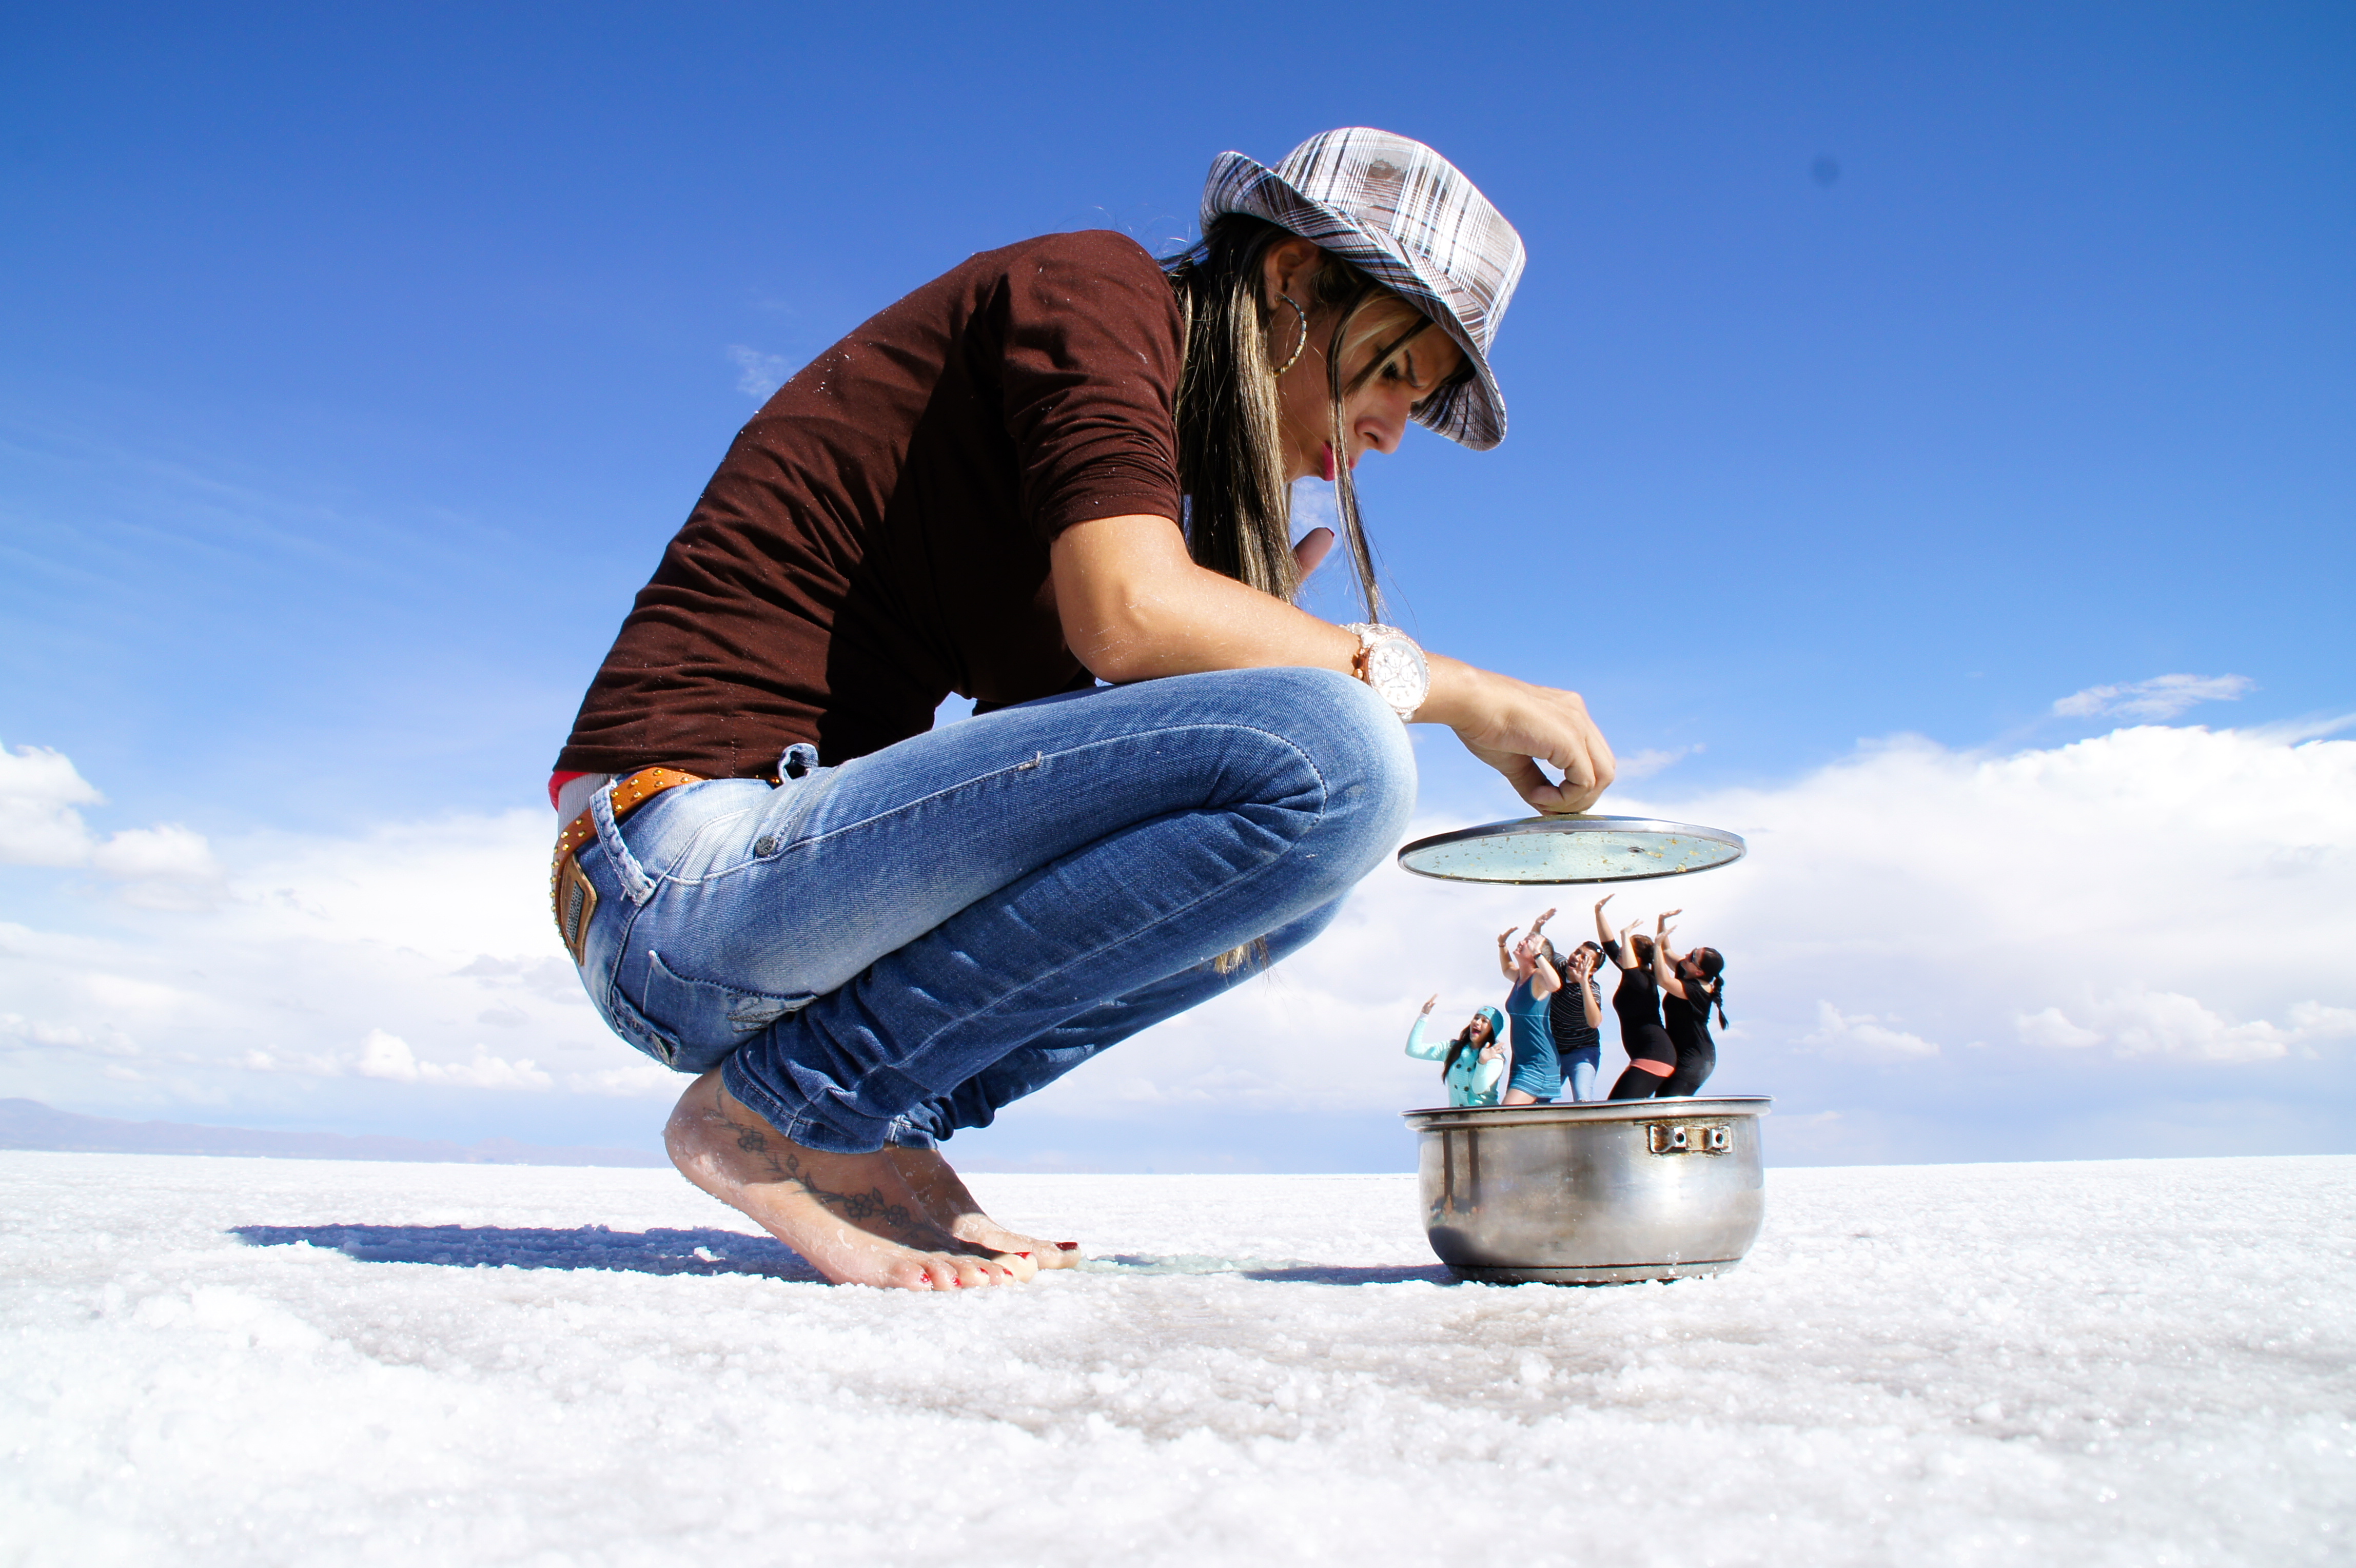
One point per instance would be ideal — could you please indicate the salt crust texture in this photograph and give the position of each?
(2125, 1362)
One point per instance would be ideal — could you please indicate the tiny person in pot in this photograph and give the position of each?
(1575, 1015)
(1536, 1074)
(1691, 985)
(1472, 1065)
(1060, 464)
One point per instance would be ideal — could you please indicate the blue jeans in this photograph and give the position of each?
(890, 950)
(1579, 1069)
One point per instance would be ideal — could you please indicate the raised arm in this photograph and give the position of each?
(1544, 981)
(1617, 947)
(1580, 968)
(1602, 931)
(1663, 970)
(1504, 958)
(1135, 607)
(1417, 1046)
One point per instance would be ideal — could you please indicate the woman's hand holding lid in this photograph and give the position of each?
(1514, 727)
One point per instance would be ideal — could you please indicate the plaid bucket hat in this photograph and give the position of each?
(1408, 219)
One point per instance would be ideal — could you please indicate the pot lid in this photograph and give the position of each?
(1571, 849)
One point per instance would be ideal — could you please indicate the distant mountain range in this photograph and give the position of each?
(29, 1124)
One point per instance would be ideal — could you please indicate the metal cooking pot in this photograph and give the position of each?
(1605, 1192)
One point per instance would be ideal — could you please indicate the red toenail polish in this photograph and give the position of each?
(1068, 1246)
(1021, 1255)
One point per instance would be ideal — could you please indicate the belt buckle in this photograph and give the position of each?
(576, 901)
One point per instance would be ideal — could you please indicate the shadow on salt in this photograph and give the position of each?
(660, 1251)
(706, 1251)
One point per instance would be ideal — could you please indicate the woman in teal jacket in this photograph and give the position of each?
(1474, 1063)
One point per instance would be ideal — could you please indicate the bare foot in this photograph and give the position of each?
(951, 1206)
(853, 1216)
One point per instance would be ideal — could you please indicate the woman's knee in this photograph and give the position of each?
(1358, 746)
(1288, 940)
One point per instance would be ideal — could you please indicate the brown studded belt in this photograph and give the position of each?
(570, 897)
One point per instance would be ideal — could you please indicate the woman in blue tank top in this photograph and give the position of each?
(1538, 1073)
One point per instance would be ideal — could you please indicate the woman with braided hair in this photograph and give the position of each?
(1691, 985)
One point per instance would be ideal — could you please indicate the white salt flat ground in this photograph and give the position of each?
(2130, 1363)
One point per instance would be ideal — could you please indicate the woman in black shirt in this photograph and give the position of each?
(1576, 1012)
(1652, 1057)
(1690, 987)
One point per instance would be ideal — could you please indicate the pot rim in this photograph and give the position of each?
(1680, 1109)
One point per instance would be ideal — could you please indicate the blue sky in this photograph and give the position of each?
(1876, 372)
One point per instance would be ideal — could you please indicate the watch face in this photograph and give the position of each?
(1396, 670)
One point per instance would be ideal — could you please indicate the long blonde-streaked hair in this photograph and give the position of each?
(1230, 455)
(1230, 452)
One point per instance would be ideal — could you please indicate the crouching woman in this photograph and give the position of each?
(860, 935)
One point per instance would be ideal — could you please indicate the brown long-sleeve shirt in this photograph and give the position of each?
(877, 536)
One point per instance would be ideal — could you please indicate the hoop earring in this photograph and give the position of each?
(1297, 348)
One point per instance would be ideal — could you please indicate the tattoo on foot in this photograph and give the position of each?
(858, 1208)
(861, 1206)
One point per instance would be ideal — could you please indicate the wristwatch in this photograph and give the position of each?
(1390, 662)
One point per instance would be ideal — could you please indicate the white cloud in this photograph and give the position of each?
(2161, 697)
(1907, 896)
(38, 791)
(757, 374)
(167, 866)
(2049, 1027)
(309, 1064)
(2314, 1021)
(39, 1033)
(170, 850)
(1864, 1035)
(487, 1071)
(2168, 1024)
(2164, 1023)
(2291, 732)
(388, 1056)
(326, 958)
(1645, 764)
(633, 1077)
(2088, 899)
